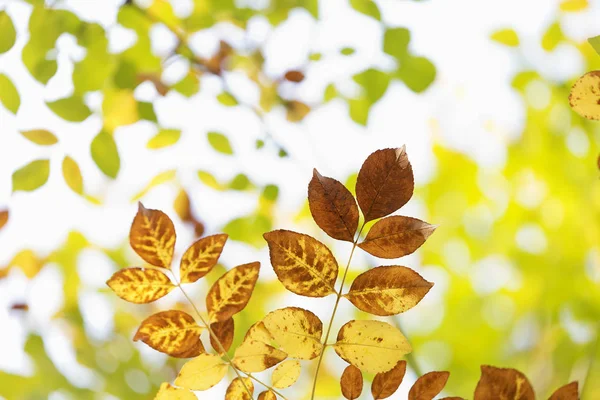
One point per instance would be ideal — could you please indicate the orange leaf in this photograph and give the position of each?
(333, 207)
(567, 392)
(396, 236)
(152, 236)
(351, 382)
(388, 290)
(201, 257)
(385, 183)
(267, 395)
(428, 386)
(503, 383)
(140, 285)
(385, 384)
(3, 218)
(224, 332)
(294, 76)
(231, 292)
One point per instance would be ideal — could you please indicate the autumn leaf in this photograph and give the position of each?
(202, 373)
(333, 207)
(255, 356)
(304, 265)
(505, 383)
(231, 292)
(294, 76)
(567, 392)
(238, 389)
(297, 331)
(171, 332)
(371, 346)
(140, 285)
(385, 183)
(286, 374)
(260, 333)
(396, 236)
(585, 95)
(428, 386)
(351, 382)
(385, 384)
(4, 214)
(224, 331)
(388, 290)
(152, 236)
(168, 392)
(201, 257)
(267, 395)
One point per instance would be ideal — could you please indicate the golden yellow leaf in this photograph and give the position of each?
(202, 373)
(72, 175)
(159, 179)
(238, 389)
(168, 392)
(201, 257)
(171, 332)
(388, 290)
(385, 183)
(267, 395)
(140, 285)
(371, 346)
(567, 392)
(304, 265)
(295, 330)
(396, 236)
(255, 356)
(4, 214)
(507, 37)
(152, 236)
(351, 382)
(286, 374)
(333, 207)
(385, 384)
(119, 108)
(260, 333)
(224, 331)
(574, 5)
(231, 292)
(28, 262)
(428, 386)
(585, 95)
(296, 110)
(40, 136)
(503, 383)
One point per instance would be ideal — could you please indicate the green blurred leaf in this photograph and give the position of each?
(209, 180)
(507, 37)
(146, 111)
(227, 99)
(359, 110)
(595, 42)
(8, 35)
(330, 93)
(240, 182)
(31, 176)
(367, 7)
(188, 86)
(374, 84)
(417, 73)
(347, 51)
(106, 154)
(219, 142)
(92, 72)
(395, 42)
(72, 175)
(119, 108)
(164, 138)
(9, 96)
(249, 229)
(71, 109)
(40, 136)
(552, 37)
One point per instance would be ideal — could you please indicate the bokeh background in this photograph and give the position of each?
(157, 100)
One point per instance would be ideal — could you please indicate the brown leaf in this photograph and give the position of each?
(351, 382)
(19, 307)
(267, 395)
(201, 257)
(231, 292)
(388, 290)
(238, 390)
(385, 384)
(140, 285)
(224, 332)
(294, 76)
(3, 218)
(304, 265)
(396, 236)
(385, 183)
(567, 392)
(503, 383)
(333, 207)
(255, 356)
(171, 332)
(183, 209)
(428, 386)
(152, 236)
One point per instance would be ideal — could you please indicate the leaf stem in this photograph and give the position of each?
(335, 307)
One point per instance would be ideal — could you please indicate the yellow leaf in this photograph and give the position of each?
(159, 179)
(388, 290)
(503, 383)
(202, 373)
(507, 37)
(585, 95)
(119, 108)
(152, 236)
(40, 136)
(428, 386)
(140, 285)
(254, 356)
(574, 5)
(28, 262)
(168, 392)
(201, 257)
(260, 333)
(164, 138)
(230, 294)
(3, 218)
(371, 346)
(304, 265)
(171, 332)
(31, 176)
(351, 382)
(238, 389)
(72, 175)
(296, 110)
(286, 374)
(297, 331)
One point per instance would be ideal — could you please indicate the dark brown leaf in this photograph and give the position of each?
(396, 236)
(224, 332)
(351, 382)
(294, 76)
(503, 383)
(385, 384)
(567, 392)
(429, 385)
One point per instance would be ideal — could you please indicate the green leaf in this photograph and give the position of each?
(330, 93)
(8, 35)
(374, 83)
(164, 138)
(248, 229)
(72, 175)
(367, 7)
(227, 99)
(395, 42)
(219, 142)
(91, 73)
(507, 37)
(31, 176)
(188, 86)
(106, 154)
(146, 111)
(417, 73)
(9, 96)
(595, 42)
(552, 37)
(347, 51)
(359, 110)
(209, 180)
(240, 182)
(40, 136)
(71, 109)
